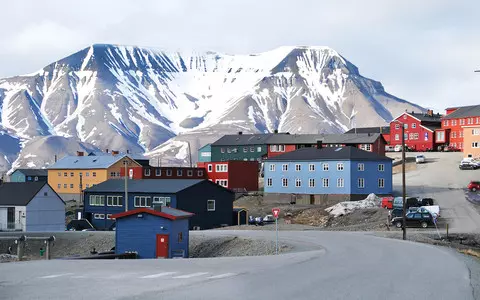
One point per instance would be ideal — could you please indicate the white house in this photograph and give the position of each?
(30, 206)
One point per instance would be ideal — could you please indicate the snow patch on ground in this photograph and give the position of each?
(346, 207)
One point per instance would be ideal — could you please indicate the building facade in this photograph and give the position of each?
(471, 144)
(453, 124)
(210, 203)
(205, 153)
(72, 174)
(419, 130)
(164, 173)
(238, 176)
(29, 175)
(333, 172)
(153, 234)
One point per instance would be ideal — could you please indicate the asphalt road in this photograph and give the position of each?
(441, 179)
(327, 265)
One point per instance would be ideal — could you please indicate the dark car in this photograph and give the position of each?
(396, 212)
(414, 219)
(426, 202)
(412, 202)
(468, 166)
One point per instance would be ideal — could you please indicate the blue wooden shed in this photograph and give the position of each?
(160, 233)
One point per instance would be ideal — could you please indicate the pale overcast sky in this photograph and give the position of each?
(424, 51)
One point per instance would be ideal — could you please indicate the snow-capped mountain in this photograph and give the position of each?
(145, 100)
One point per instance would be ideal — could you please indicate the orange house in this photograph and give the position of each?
(72, 174)
(453, 124)
(471, 141)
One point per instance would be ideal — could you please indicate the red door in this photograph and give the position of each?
(162, 245)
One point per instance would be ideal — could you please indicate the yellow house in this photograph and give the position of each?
(73, 174)
(471, 141)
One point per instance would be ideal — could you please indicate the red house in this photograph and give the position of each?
(419, 130)
(149, 172)
(454, 121)
(237, 175)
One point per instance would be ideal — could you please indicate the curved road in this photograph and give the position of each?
(325, 265)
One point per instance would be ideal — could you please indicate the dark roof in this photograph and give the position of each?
(161, 186)
(19, 193)
(379, 129)
(167, 212)
(329, 153)
(294, 139)
(359, 138)
(423, 117)
(243, 139)
(33, 172)
(464, 111)
(432, 127)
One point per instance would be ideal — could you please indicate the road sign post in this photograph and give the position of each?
(276, 212)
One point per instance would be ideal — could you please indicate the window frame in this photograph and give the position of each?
(340, 182)
(311, 168)
(381, 168)
(138, 201)
(269, 182)
(209, 202)
(179, 172)
(298, 182)
(381, 180)
(327, 181)
(361, 180)
(340, 166)
(284, 182)
(298, 167)
(325, 167)
(361, 167)
(285, 168)
(311, 182)
(147, 172)
(158, 172)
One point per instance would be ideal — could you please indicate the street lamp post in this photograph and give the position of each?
(404, 188)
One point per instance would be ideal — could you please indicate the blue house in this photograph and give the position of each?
(327, 175)
(211, 203)
(205, 153)
(161, 233)
(29, 175)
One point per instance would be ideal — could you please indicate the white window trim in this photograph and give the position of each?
(310, 181)
(189, 173)
(147, 172)
(361, 167)
(117, 202)
(210, 202)
(342, 181)
(311, 167)
(325, 180)
(361, 186)
(209, 168)
(327, 167)
(158, 172)
(140, 200)
(269, 182)
(381, 167)
(284, 180)
(298, 182)
(298, 168)
(272, 168)
(285, 167)
(164, 201)
(340, 166)
(179, 172)
(222, 182)
(221, 168)
(381, 180)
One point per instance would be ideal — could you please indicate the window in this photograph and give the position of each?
(445, 123)
(440, 136)
(114, 200)
(381, 183)
(245, 149)
(405, 136)
(381, 167)
(475, 145)
(209, 168)
(397, 137)
(285, 167)
(141, 201)
(361, 183)
(64, 185)
(59, 174)
(454, 134)
(158, 172)
(179, 172)
(476, 131)
(71, 174)
(81, 174)
(189, 173)
(210, 205)
(281, 148)
(325, 182)
(99, 216)
(222, 150)
(59, 186)
(147, 172)
(298, 182)
(273, 148)
(311, 182)
(180, 237)
(87, 185)
(325, 167)
(252, 149)
(163, 201)
(71, 185)
(361, 167)
(45, 194)
(272, 168)
(405, 126)
(397, 126)
(200, 173)
(340, 183)
(415, 136)
(94, 174)
(366, 147)
(259, 149)
(284, 182)
(109, 216)
(221, 168)
(411, 136)
(169, 172)
(461, 133)
(87, 174)
(414, 125)
(235, 150)
(298, 167)
(65, 174)
(222, 182)
(404, 117)
(97, 200)
(228, 150)
(269, 181)
(340, 167)
(311, 167)
(462, 122)
(36, 178)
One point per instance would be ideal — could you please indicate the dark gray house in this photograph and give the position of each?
(211, 204)
(30, 206)
(29, 175)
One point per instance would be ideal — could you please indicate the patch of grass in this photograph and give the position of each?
(471, 252)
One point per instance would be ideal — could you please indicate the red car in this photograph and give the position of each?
(387, 202)
(474, 186)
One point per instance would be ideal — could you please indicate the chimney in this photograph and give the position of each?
(430, 112)
(114, 152)
(240, 133)
(275, 131)
(79, 153)
(319, 144)
(413, 112)
(381, 129)
(106, 150)
(128, 151)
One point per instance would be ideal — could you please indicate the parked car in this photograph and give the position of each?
(268, 219)
(398, 148)
(251, 220)
(259, 221)
(426, 201)
(474, 186)
(468, 166)
(396, 212)
(414, 219)
(434, 210)
(420, 159)
(387, 202)
(389, 148)
(410, 202)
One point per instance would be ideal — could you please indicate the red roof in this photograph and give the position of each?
(183, 215)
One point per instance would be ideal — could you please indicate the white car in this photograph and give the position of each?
(389, 148)
(398, 148)
(420, 159)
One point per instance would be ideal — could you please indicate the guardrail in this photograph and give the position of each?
(21, 240)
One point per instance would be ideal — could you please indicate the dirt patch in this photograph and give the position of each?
(471, 252)
(409, 166)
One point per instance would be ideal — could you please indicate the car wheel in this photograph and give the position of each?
(424, 224)
(474, 189)
(398, 224)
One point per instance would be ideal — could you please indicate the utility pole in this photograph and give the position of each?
(125, 162)
(404, 189)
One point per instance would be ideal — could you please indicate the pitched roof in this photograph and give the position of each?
(294, 139)
(351, 138)
(378, 129)
(33, 172)
(329, 153)
(464, 111)
(424, 117)
(85, 162)
(167, 212)
(19, 193)
(134, 156)
(243, 139)
(160, 186)
(432, 127)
